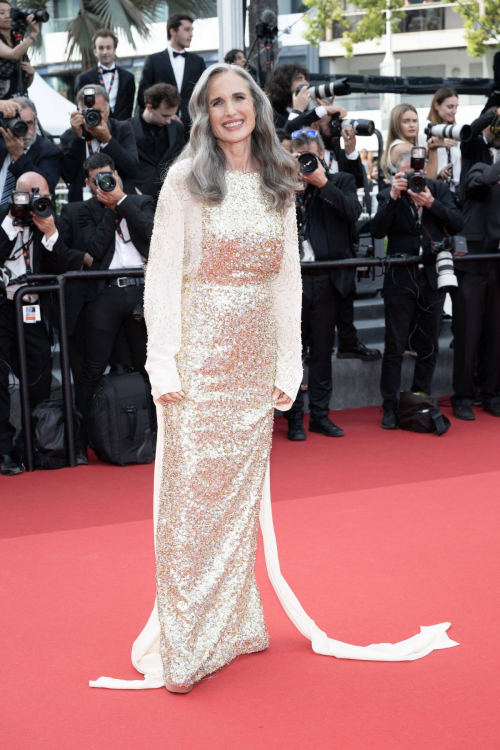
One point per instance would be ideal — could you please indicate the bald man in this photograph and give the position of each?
(36, 247)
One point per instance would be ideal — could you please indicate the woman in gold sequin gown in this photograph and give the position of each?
(222, 305)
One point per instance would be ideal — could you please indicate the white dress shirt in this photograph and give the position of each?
(15, 262)
(334, 166)
(3, 171)
(178, 65)
(126, 254)
(107, 77)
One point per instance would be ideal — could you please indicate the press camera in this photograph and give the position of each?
(23, 204)
(18, 17)
(308, 162)
(92, 117)
(360, 127)
(455, 132)
(327, 90)
(16, 126)
(416, 179)
(444, 252)
(106, 181)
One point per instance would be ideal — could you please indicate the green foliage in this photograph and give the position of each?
(120, 15)
(476, 33)
(370, 25)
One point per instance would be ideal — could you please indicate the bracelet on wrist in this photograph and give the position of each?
(33, 38)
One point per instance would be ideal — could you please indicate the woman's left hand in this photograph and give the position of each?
(280, 398)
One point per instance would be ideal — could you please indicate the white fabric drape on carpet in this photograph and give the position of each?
(146, 649)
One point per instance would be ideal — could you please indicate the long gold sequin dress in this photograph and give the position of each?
(217, 443)
(222, 307)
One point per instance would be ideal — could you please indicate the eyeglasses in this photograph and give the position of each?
(309, 133)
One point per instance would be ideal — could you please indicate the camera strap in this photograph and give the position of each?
(26, 253)
(306, 203)
(91, 150)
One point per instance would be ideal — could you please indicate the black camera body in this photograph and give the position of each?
(416, 179)
(360, 127)
(18, 17)
(308, 162)
(16, 126)
(106, 181)
(456, 245)
(92, 118)
(23, 204)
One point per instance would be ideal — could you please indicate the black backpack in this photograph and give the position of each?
(420, 413)
(120, 420)
(49, 435)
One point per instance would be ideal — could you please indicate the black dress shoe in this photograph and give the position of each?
(493, 409)
(296, 430)
(360, 351)
(326, 427)
(390, 420)
(10, 464)
(464, 411)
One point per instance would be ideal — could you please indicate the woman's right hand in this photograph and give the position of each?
(171, 398)
(34, 25)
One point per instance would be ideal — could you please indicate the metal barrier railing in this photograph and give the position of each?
(44, 283)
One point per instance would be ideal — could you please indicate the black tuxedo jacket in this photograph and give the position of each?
(53, 261)
(126, 90)
(481, 214)
(396, 220)
(75, 289)
(151, 172)
(474, 151)
(98, 229)
(42, 157)
(158, 69)
(331, 215)
(122, 148)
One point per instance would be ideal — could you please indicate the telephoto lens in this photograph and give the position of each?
(106, 181)
(461, 133)
(16, 126)
(327, 90)
(360, 127)
(445, 270)
(308, 162)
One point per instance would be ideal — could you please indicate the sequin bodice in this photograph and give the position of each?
(242, 236)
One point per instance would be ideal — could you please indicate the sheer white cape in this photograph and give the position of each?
(176, 252)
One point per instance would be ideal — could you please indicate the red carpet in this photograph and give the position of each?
(379, 533)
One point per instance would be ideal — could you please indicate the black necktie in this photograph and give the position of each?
(176, 54)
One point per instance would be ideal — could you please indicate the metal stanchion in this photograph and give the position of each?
(23, 366)
(66, 375)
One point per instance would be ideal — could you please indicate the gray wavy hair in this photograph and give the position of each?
(280, 175)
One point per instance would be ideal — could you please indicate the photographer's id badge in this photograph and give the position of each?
(31, 313)
(307, 252)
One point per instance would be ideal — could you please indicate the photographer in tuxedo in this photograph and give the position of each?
(118, 82)
(159, 136)
(28, 153)
(116, 231)
(327, 211)
(31, 244)
(413, 222)
(81, 141)
(476, 302)
(347, 159)
(174, 65)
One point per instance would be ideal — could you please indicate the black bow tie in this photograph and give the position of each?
(181, 54)
(107, 70)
